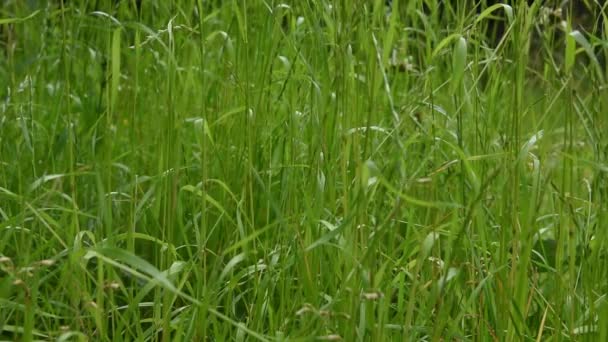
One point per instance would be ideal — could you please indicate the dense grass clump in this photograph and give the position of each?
(259, 170)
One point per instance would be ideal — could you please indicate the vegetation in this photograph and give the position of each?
(256, 170)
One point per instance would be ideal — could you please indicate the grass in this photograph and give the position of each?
(308, 170)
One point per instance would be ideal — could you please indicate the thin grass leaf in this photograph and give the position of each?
(4, 21)
(584, 43)
(134, 265)
(116, 44)
(490, 10)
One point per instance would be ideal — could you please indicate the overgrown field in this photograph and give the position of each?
(303, 170)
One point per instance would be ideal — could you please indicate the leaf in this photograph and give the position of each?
(240, 18)
(18, 20)
(333, 232)
(193, 189)
(428, 243)
(459, 62)
(242, 242)
(231, 264)
(447, 40)
(199, 123)
(115, 66)
(530, 144)
(488, 11)
(44, 179)
(416, 201)
(9, 193)
(137, 267)
(570, 52)
(451, 273)
(584, 43)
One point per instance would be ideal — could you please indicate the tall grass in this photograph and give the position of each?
(257, 170)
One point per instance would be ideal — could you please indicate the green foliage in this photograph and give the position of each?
(254, 170)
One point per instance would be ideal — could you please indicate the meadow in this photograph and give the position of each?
(261, 170)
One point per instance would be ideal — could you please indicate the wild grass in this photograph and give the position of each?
(307, 170)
